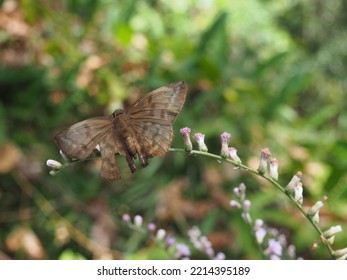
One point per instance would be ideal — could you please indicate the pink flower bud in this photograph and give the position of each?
(233, 155)
(200, 138)
(186, 138)
(264, 156)
(126, 218)
(225, 139)
(274, 168)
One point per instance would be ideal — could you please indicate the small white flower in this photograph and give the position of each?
(160, 234)
(264, 156)
(332, 231)
(53, 164)
(138, 220)
(314, 211)
(274, 168)
(233, 155)
(246, 205)
(200, 139)
(235, 204)
(298, 190)
(274, 247)
(260, 234)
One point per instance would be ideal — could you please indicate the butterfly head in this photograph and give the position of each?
(116, 113)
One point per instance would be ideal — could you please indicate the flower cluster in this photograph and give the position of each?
(273, 244)
(202, 244)
(178, 249)
(226, 151)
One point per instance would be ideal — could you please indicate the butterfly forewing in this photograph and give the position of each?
(79, 140)
(161, 105)
(153, 115)
(144, 129)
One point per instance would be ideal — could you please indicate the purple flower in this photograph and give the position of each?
(126, 218)
(219, 256)
(151, 227)
(170, 241)
(235, 204)
(200, 138)
(225, 139)
(182, 250)
(260, 234)
(274, 248)
(264, 156)
(186, 138)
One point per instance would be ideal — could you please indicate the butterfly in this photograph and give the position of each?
(143, 130)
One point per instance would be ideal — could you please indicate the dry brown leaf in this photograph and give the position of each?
(9, 157)
(24, 239)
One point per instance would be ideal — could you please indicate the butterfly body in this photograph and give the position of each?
(143, 130)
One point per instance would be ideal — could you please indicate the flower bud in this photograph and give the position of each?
(341, 254)
(219, 256)
(296, 178)
(138, 220)
(151, 227)
(160, 234)
(293, 182)
(186, 138)
(274, 247)
(298, 190)
(200, 138)
(225, 139)
(246, 217)
(246, 205)
(314, 211)
(332, 231)
(56, 165)
(274, 168)
(182, 250)
(235, 204)
(233, 155)
(260, 234)
(126, 218)
(264, 156)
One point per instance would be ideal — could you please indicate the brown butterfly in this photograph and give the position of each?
(143, 130)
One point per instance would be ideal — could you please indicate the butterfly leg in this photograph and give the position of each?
(131, 163)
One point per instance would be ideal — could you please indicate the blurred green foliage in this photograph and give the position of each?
(272, 73)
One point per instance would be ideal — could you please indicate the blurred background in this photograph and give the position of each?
(271, 73)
